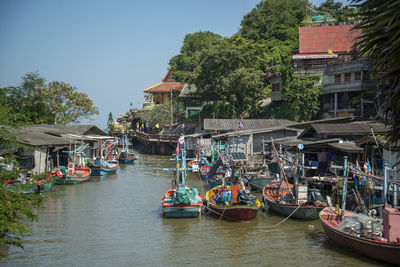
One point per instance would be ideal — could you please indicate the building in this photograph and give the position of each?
(331, 52)
(161, 93)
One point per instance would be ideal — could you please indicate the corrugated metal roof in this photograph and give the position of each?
(233, 124)
(349, 147)
(337, 38)
(346, 129)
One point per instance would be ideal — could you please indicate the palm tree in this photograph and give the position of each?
(380, 41)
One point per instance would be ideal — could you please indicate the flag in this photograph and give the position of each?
(241, 124)
(181, 140)
(330, 52)
(138, 102)
(157, 125)
(183, 126)
(131, 104)
(348, 50)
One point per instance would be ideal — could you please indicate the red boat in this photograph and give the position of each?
(226, 208)
(380, 248)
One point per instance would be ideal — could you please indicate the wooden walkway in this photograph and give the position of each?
(155, 138)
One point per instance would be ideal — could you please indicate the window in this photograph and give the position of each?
(276, 87)
(347, 77)
(357, 75)
(337, 78)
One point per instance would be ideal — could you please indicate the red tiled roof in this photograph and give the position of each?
(320, 39)
(164, 87)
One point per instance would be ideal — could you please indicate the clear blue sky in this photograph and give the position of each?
(110, 50)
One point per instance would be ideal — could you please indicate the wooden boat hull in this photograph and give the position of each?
(304, 212)
(237, 212)
(82, 174)
(126, 160)
(170, 210)
(257, 184)
(103, 170)
(379, 250)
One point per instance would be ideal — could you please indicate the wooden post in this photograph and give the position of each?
(395, 186)
(385, 183)
(344, 193)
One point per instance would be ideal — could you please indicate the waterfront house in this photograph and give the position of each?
(48, 144)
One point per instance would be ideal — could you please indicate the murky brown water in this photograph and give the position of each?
(116, 220)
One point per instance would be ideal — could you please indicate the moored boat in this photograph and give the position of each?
(75, 175)
(231, 203)
(379, 248)
(258, 183)
(182, 201)
(281, 200)
(106, 167)
(126, 157)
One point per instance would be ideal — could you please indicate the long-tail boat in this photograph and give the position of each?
(181, 200)
(232, 203)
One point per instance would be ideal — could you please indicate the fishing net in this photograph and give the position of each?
(362, 226)
(184, 195)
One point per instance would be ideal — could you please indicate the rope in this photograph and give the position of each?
(221, 214)
(286, 217)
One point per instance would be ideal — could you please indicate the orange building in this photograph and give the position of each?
(161, 92)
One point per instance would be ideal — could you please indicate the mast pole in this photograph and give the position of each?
(344, 193)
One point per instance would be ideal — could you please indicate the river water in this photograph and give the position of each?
(116, 220)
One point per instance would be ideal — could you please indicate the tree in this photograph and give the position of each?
(66, 104)
(302, 96)
(380, 42)
(15, 207)
(159, 115)
(109, 121)
(25, 102)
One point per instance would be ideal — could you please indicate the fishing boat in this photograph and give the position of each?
(75, 175)
(194, 164)
(258, 181)
(76, 172)
(281, 200)
(103, 167)
(232, 203)
(126, 156)
(181, 201)
(385, 249)
(104, 162)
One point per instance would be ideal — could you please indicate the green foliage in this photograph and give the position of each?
(302, 96)
(338, 11)
(35, 102)
(160, 114)
(110, 121)
(25, 102)
(275, 20)
(66, 104)
(15, 209)
(380, 42)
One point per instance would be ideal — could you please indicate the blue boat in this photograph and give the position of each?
(104, 167)
(125, 156)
